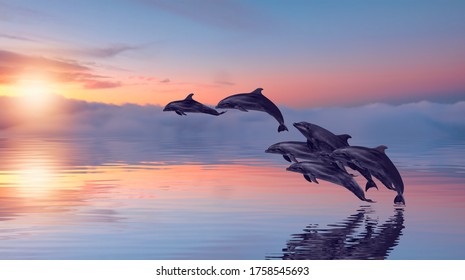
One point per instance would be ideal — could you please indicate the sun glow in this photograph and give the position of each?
(36, 95)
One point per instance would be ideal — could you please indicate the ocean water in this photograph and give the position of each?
(111, 198)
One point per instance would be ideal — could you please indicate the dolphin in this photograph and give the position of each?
(328, 172)
(189, 105)
(319, 138)
(291, 150)
(254, 101)
(374, 161)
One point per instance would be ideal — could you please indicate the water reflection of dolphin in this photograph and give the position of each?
(291, 150)
(376, 162)
(189, 105)
(357, 237)
(255, 101)
(329, 172)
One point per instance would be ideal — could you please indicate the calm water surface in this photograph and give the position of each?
(145, 199)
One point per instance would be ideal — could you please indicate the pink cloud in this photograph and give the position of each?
(94, 84)
(65, 71)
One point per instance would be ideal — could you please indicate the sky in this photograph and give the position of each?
(305, 54)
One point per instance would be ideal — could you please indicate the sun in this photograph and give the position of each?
(35, 95)
(33, 88)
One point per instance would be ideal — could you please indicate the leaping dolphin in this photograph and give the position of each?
(374, 161)
(328, 172)
(319, 138)
(189, 105)
(291, 150)
(255, 101)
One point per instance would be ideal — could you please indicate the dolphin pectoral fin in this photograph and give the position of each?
(340, 165)
(221, 113)
(313, 178)
(287, 158)
(399, 199)
(180, 112)
(308, 178)
(292, 157)
(370, 184)
(240, 108)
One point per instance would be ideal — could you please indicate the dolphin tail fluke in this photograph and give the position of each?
(399, 199)
(370, 184)
(282, 127)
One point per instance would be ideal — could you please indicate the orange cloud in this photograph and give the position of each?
(15, 66)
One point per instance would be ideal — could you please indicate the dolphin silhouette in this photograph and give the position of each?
(254, 101)
(189, 105)
(374, 161)
(328, 172)
(319, 138)
(294, 150)
(291, 150)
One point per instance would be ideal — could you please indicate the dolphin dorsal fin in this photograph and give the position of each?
(344, 137)
(257, 91)
(189, 97)
(381, 149)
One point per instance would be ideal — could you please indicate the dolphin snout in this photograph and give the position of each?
(293, 168)
(298, 125)
(271, 149)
